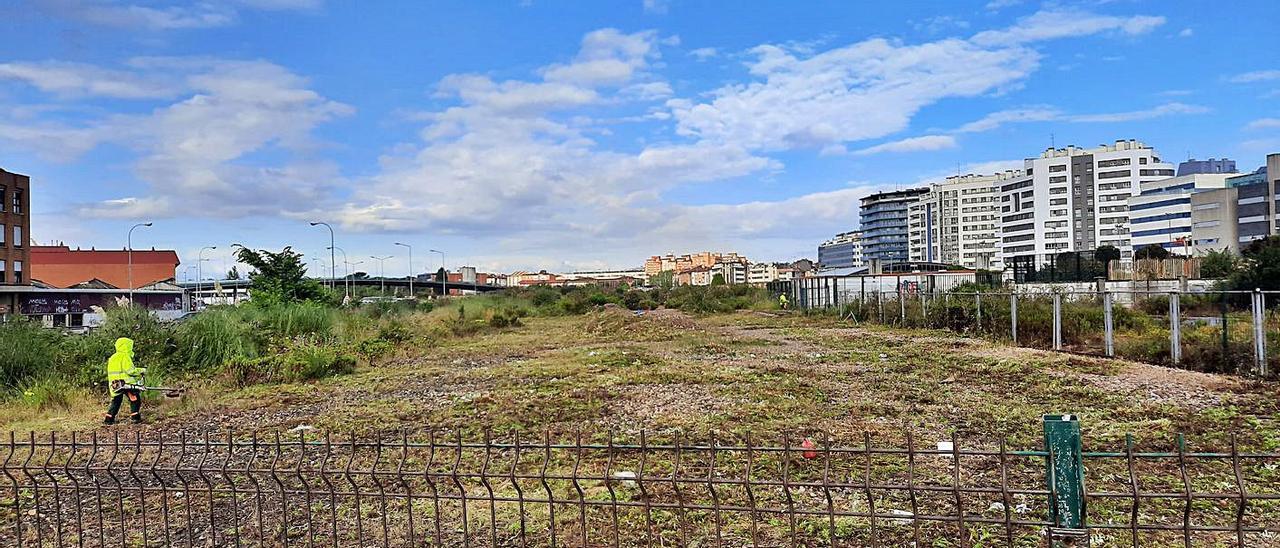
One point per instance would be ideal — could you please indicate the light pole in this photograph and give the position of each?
(382, 273)
(346, 282)
(199, 276)
(235, 293)
(444, 280)
(129, 245)
(410, 266)
(332, 266)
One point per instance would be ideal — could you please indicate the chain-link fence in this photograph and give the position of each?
(1212, 331)
(459, 490)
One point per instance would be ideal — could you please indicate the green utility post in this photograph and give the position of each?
(1065, 478)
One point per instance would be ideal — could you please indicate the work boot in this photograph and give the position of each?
(108, 419)
(135, 418)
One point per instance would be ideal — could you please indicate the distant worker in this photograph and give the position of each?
(782, 301)
(124, 380)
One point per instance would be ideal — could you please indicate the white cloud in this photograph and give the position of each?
(1059, 23)
(656, 6)
(607, 57)
(1186, 33)
(939, 24)
(863, 91)
(1255, 76)
(1001, 4)
(141, 16)
(78, 79)
(194, 154)
(1263, 123)
(702, 54)
(1050, 114)
(912, 144)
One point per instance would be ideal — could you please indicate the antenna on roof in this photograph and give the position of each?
(1053, 142)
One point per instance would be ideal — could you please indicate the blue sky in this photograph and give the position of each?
(567, 135)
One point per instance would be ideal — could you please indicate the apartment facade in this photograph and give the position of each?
(1075, 199)
(842, 251)
(883, 217)
(680, 263)
(1212, 165)
(955, 223)
(15, 229)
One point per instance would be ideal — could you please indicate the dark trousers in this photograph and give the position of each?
(135, 402)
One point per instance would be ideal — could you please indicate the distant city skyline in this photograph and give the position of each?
(530, 135)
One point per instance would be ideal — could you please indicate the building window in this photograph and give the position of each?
(3, 189)
(4, 229)
(1057, 168)
(17, 201)
(1142, 161)
(17, 236)
(17, 272)
(4, 277)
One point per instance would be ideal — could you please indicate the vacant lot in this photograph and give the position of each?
(610, 375)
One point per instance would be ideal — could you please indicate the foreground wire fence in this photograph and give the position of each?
(295, 490)
(1214, 331)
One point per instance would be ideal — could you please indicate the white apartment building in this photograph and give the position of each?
(842, 251)
(1161, 213)
(956, 222)
(1074, 199)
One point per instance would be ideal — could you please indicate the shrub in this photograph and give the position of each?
(291, 320)
(215, 337)
(48, 393)
(310, 362)
(26, 350)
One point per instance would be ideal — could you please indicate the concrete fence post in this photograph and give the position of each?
(1057, 321)
(1259, 332)
(1107, 326)
(977, 303)
(1175, 328)
(880, 302)
(924, 310)
(1013, 317)
(902, 305)
(1064, 473)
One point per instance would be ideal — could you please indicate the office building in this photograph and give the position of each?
(883, 219)
(15, 228)
(1213, 221)
(1074, 199)
(1257, 213)
(1161, 213)
(1193, 166)
(842, 251)
(955, 223)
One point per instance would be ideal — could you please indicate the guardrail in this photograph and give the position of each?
(455, 490)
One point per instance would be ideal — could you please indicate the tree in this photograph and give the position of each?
(233, 274)
(1260, 268)
(280, 277)
(1106, 253)
(442, 275)
(718, 279)
(665, 279)
(1219, 264)
(1152, 251)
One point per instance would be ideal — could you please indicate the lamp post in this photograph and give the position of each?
(235, 293)
(346, 281)
(332, 267)
(129, 245)
(199, 275)
(382, 273)
(410, 248)
(444, 280)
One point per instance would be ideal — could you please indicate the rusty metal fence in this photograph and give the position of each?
(460, 490)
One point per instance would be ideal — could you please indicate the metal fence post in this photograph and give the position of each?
(1013, 317)
(880, 302)
(902, 305)
(1064, 473)
(1057, 321)
(924, 311)
(977, 302)
(1175, 328)
(1259, 333)
(1108, 327)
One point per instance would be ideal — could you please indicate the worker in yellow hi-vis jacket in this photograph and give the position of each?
(124, 380)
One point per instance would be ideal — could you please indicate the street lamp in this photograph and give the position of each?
(444, 280)
(199, 262)
(235, 292)
(381, 273)
(129, 245)
(332, 266)
(346, 281)
(410, 266)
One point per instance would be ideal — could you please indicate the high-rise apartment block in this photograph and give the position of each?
(955, 223)
(883, 218)
(1075, 199)
(842, 251)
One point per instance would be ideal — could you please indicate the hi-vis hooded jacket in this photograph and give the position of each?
(120, 366)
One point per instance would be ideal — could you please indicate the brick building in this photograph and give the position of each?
(62, 267)
(15, 225)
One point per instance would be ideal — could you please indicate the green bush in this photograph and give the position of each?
(217, 336)
(294, 319)
(27, 351)
(307, 362)
(48, 393)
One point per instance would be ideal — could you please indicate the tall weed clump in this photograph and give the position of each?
(217, 336)
(295, 319)
(27, 351)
